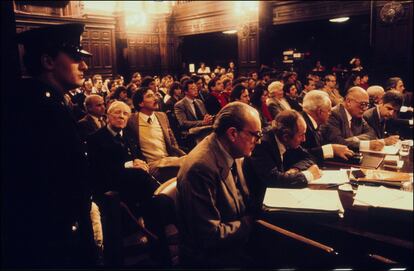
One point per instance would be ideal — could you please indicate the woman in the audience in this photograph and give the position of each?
(291, 94)
(276, 102)
(240, 93)
(259, 98)
(175, 94)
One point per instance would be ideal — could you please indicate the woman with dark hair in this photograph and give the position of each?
(259, 98)
(291, 94)
(240, 93)
(396, 83)
(175, 94)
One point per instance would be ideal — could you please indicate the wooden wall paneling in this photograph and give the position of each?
(301, 11)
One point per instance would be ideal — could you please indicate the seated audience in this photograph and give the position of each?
(212, 197)
(387, 109)
(316, 111)
(375, 94)
(346, 125)
(240, 93)
(276, 102)
(156, 140)
(94, 119)
(280, 161)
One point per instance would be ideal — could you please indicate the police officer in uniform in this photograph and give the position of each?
(46, 198)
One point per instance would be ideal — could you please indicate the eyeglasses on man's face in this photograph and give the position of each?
(362, 105)
(257, 135)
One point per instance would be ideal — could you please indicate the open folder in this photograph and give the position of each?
(303, 200)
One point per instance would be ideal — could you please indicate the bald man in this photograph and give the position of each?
(346, 125)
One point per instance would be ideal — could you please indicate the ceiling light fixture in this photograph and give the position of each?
(339, 20)
(230, 31)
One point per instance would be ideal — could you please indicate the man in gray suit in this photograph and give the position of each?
(190, 113)
(346, 125)
(213, 198)
(387, 108)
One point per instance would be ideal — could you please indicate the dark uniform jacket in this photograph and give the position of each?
(46, 194)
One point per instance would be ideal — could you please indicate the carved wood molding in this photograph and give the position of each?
(300, 11)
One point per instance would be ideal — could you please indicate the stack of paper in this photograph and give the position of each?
(332, 177)
(383, 197)
(391, 149)
(303, 200)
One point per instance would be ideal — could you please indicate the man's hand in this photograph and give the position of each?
(376, 145)
(342, 151)
(208, 119)
(391, 140)
(141, 164)
(316, 172)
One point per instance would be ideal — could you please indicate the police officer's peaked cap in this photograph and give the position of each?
(64, 37)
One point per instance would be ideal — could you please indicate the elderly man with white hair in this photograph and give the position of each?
(276, 102)
(346, 125)
(316, 112)
(375, 94)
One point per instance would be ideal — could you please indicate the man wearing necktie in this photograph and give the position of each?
(156, 140)
(346, 125)
(213, 199)
(116, 161)
(387, 109)
(316, 111)
(280, 161)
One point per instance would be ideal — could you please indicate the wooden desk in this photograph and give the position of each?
(362, 231)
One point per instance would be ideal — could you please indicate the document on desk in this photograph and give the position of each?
(383, 197)
(332, 177)
(303, 200)
(391, 149)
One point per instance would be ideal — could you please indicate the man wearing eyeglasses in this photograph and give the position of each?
(213, 198)
(346, 125)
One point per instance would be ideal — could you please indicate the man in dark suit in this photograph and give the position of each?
(156, 140)
(280, 161)
(46, 196)
(316, 111)
(212, 197)
(346, 125)
(94, 119)
(115, 159)
(387, 109)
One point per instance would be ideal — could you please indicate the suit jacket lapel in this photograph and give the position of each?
(224, 172)
(377, 123)
(275, 150)
(189, 108)
(164, 128)
(344, 118)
